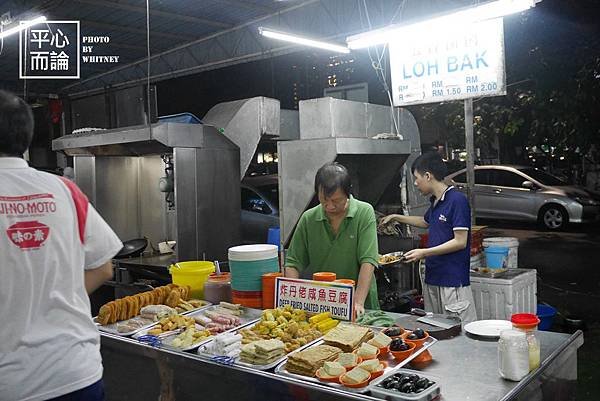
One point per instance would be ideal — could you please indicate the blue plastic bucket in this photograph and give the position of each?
(546, 315)
(496, 256)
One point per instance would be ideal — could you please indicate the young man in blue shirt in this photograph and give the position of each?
(447, 256)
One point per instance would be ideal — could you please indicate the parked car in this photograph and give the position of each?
(260, 207)
(528, 194)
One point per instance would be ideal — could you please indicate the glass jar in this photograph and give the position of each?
(217, 288)
(527, 323)
(513, 355)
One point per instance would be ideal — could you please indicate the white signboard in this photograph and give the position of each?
(315, 296)
(456, 64)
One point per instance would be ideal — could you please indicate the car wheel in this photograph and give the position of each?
(554, 217)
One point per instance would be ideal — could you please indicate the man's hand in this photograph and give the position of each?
(415, 255)
(388, 219)
(359, 309)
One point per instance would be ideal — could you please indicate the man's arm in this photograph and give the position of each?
(94, 278)
(297, 254)
(457, 243)
(291, 272)
(365, 276)
(415, 221)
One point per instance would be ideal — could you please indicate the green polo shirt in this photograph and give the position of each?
(314, 247)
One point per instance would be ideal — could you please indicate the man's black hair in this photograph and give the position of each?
(432, 163)
(331, 177)
(16, 125)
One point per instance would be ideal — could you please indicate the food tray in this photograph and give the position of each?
(426, 395)
(250, 316)
(205, 355)
(112, 328)
(166, 338)
(206, 305)
(398, 255)
(389, 359)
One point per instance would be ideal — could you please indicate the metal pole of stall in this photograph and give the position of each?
(469, 144)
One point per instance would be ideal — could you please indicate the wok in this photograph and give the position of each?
(132, 248)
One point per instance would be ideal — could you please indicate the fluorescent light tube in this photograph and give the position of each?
(486, 11)
(23, 25)
(269, 33)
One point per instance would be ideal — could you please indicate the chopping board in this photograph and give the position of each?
(409, 322)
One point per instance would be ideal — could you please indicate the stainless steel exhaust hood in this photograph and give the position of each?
(140, 141)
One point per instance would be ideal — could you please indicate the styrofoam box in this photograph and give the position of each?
(499, 298)
(477, 260)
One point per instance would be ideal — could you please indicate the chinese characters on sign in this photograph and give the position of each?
(460, 63)
(50, 50)
(315, 296)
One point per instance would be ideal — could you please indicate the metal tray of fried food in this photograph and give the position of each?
(237, 361)
(248, 314)
(205, 304)
(390, 258)
(167, 338)
(392, 364)
(113, 328)
(144, 324)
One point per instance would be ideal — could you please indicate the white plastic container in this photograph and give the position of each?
(513, 248)
(515, 291)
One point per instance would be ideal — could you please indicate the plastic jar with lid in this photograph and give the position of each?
(527, 323)
(218, 288)
(513, 355)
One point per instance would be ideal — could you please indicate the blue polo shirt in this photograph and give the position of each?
(452, 212)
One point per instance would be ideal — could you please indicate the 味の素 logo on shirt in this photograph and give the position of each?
(442, 218)
(28, 234)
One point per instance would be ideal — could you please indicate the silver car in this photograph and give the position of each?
(528, 194)
(260, 208)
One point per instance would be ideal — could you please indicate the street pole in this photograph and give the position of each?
(470, 156)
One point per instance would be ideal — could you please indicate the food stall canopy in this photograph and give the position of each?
(187, 36)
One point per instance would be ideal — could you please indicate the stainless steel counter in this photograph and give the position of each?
(467, 369)
(149, 262)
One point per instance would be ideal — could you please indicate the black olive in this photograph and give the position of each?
(408, 388)
(393, 332)
(404, 347)
(412, 336)
(419, 333)
(422, 383)
(398, 386)
(395, 344)
(405, 380)
(414, 378)
(430, 383)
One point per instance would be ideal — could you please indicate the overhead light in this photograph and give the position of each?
(23, 25)
(269, 33)
(458, 19)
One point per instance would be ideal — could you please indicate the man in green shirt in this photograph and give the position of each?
(339, 235)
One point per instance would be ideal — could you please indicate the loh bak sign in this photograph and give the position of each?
(461, 63)
(315, 296)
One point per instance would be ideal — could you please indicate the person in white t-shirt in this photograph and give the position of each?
(55, 250)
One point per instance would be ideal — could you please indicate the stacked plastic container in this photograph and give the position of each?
(247, 264)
